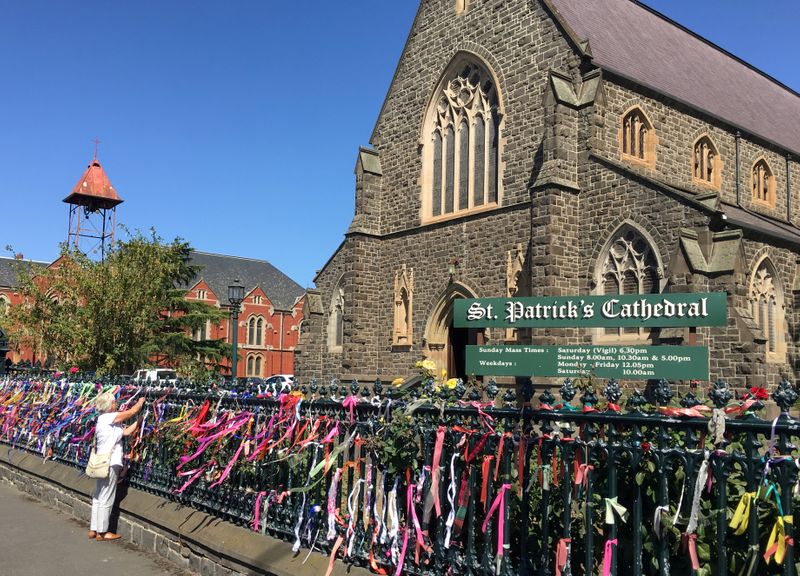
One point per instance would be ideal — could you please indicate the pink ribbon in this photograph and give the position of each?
(561, 554)
(350, 402)
(607, 555)
(692, 541)
(435, 472)
(257, 512)
(231, 462)
(195, 475)
(499, 502)
(479, 406)
(331, 435)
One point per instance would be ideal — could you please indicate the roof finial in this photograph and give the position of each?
(96, 144)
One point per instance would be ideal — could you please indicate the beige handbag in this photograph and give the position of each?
(98, 464)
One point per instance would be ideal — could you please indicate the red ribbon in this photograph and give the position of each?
(692, 541)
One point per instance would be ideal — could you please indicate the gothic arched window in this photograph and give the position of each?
(462, 135)
(638, 138)
(766, 306)
(706, 163)
(259, 331)
(251, 331)
(763, 183)
(628, 265)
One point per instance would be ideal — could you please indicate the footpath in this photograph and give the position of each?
(36, 540)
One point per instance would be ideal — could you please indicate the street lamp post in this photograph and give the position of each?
(235, 297)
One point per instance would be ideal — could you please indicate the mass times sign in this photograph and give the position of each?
(624, 362)
(615, 311)
(612, 311)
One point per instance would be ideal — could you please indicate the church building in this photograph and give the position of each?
(564, 147)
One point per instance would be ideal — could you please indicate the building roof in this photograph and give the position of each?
(94, 189)
(10, 267)
(636, 42)
(219, 271)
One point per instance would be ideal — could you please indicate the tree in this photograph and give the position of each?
(119, 314)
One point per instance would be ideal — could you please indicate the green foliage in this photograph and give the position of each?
(119, 314)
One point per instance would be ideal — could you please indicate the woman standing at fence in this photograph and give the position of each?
(108, 437)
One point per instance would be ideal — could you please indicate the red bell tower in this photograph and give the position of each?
(92, 212)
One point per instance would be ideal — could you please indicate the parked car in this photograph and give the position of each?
(279, 383)
(162, 375)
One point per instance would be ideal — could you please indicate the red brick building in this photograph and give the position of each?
(269, 317)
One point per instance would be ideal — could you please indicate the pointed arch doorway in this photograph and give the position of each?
(446, 345)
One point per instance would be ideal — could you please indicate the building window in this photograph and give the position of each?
(3, 305)
(637, 138)
(256, 299)
(336, 321)
(201, 294)
(255, 330)
(462, 135)
(201, 333)
(706, 163)
(763, 183)
(766, 306)
(628, 265)
(254, 363)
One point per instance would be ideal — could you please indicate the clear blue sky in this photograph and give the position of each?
(235, 125)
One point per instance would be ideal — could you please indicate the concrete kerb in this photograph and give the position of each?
(185, 536)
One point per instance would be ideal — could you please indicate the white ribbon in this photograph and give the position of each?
(660, 511)
(393, 524)
(332, 504)
(702, 476)
(352, 509)
(451, 498)
(680, 503)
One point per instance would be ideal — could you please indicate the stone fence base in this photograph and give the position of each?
(185, 536)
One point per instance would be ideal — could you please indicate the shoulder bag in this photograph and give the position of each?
(98, 464)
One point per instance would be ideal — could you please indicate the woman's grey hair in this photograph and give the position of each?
(104, 402)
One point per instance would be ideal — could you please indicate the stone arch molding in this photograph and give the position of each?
(461, 140)
(764, 283)
(441, 315)
(469, 53)
(601, 250)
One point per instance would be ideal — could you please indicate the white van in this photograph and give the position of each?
(162, 375)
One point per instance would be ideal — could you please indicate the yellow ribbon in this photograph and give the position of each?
(613, 506)
(776, 547)
(741, 517)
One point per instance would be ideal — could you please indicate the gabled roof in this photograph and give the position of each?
(637, 43)
(94, 189)
(219, 271)
(10, 267)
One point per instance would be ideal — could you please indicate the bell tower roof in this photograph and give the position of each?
(94, 190)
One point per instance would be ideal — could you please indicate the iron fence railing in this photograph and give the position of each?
(457, 480)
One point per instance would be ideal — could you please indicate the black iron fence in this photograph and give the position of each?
(456, 480)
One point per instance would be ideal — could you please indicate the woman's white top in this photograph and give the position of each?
(109, 437)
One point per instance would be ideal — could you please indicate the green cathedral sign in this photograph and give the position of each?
(612, 311)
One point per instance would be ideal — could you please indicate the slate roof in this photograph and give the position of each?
(9, 269)
(219, 271)
(636, 42)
